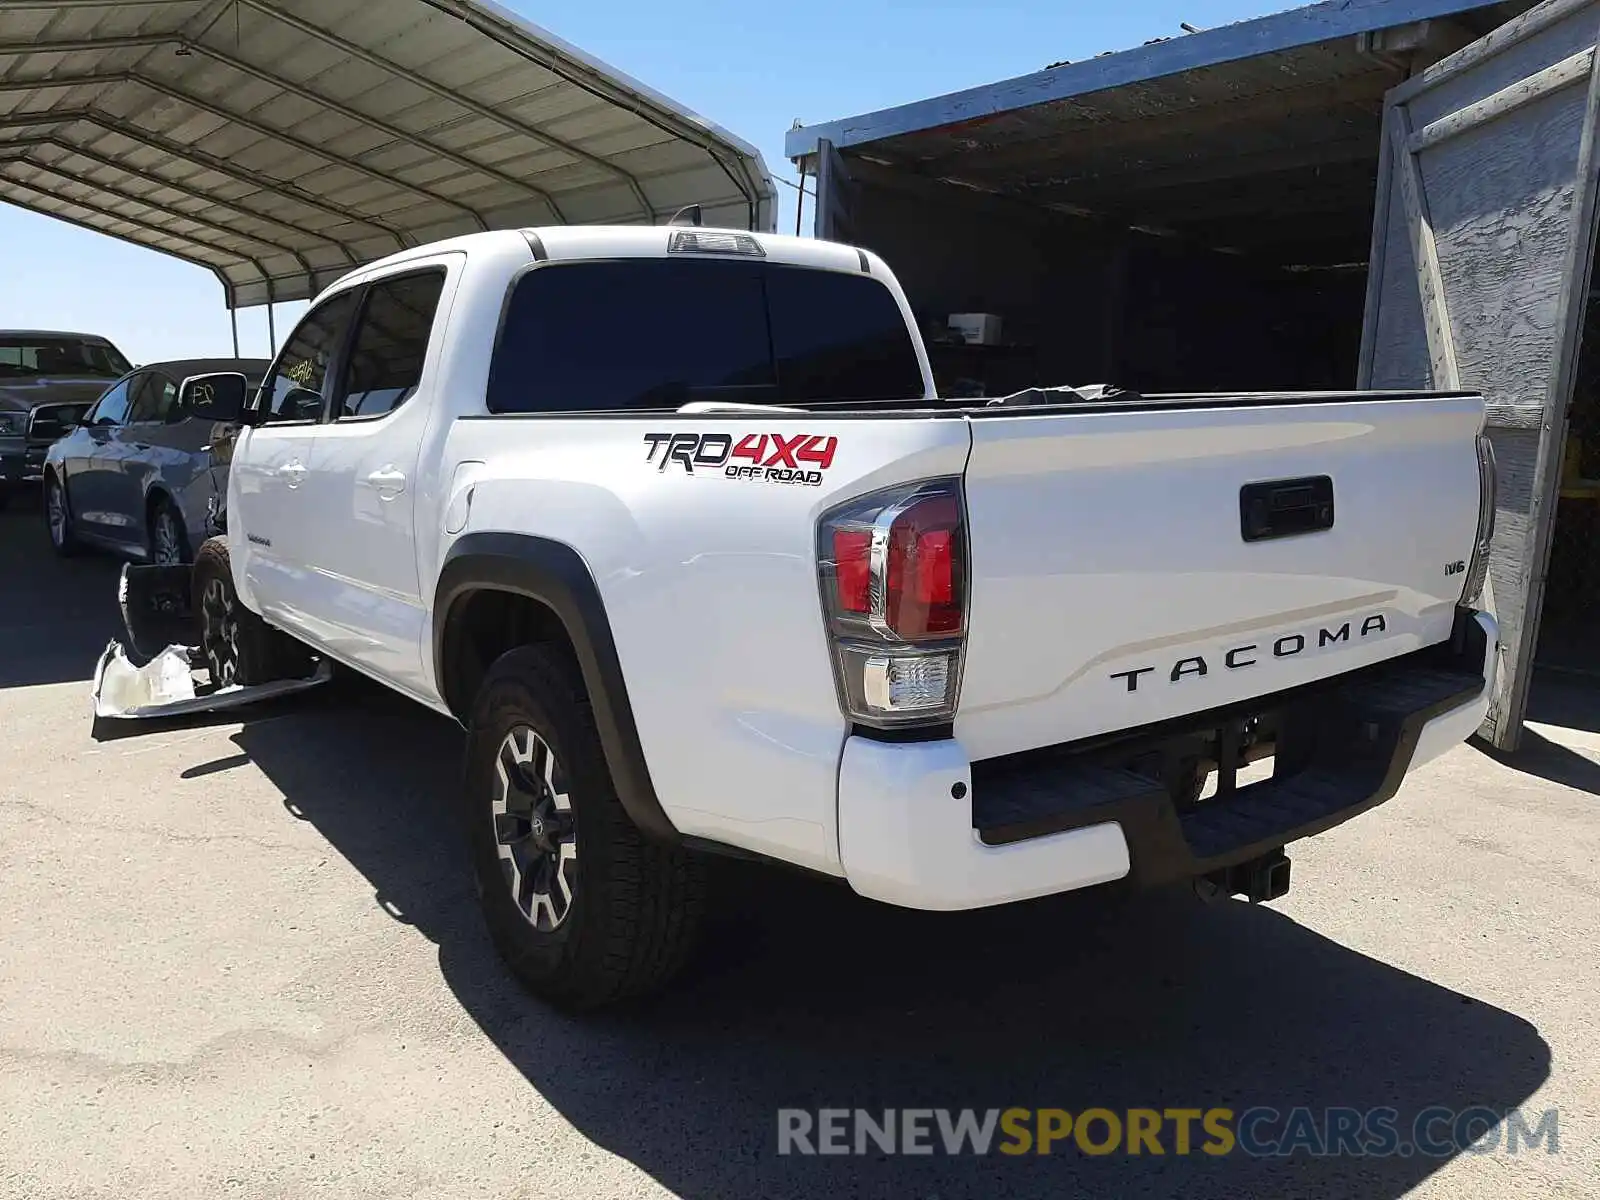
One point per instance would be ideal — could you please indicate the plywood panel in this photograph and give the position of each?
(1502, 159)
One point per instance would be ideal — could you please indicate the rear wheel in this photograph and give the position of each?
(539, 802)
(169, 540)
(238, 646)
(58, 517)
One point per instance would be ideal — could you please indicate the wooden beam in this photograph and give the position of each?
(1281, 198)
(1566, 73)
(1377, 253)
(1514, 416)
(1090, 186)
(1498, 40)
(1424, 254)
(1077, 140)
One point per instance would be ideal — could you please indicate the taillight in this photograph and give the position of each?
(1478, 571)
(852, 578)
(893, 569)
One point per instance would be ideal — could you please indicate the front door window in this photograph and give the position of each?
(293, 392)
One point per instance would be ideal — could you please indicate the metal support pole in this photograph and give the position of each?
(800, 200)
(272, 333)
(233, 319)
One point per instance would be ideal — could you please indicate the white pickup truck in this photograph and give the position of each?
(673, 522)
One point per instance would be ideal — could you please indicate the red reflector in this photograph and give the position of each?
(936, 582)
(924, 584)
(852, 571)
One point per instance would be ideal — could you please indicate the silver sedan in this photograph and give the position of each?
(137, 476)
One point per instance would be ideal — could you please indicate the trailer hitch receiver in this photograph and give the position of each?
(1257, 880)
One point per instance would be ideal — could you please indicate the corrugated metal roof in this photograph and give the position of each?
(280, 142)
(1173, 59)
(1258, 138)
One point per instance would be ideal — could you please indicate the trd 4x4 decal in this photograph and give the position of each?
(773, 457)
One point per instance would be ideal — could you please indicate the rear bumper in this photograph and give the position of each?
(21, 462)
(923, 827)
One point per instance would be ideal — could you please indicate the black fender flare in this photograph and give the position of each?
(555, 575)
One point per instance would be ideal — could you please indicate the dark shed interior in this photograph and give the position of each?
(1201, 230)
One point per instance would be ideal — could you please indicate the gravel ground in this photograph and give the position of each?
(242, 958)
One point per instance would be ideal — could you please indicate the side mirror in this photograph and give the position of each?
(47, 422)
(218, 397)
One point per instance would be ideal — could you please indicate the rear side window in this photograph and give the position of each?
(391, 342)
(659, 333)
(152, 399)
(839, 337)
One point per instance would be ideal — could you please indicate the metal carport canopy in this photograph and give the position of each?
(278, 143)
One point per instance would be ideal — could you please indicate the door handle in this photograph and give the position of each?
(293, 472)
(1279, 508)
(387, 479)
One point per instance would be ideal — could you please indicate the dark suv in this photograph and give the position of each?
(47, 381)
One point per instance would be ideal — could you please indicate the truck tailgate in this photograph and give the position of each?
(1114, 585)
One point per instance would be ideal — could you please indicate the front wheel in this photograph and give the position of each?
(58, 518)
(238, 646)
(169, 540)
(581, 906)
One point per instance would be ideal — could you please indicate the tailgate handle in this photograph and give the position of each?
(1280, 508)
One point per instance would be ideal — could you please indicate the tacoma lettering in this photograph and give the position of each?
(1239, 657)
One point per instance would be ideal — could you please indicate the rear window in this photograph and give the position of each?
(25, 357)
(659, 333)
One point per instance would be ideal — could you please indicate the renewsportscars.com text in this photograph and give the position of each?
(1259, 1132)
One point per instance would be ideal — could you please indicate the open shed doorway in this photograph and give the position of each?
(1085, 300)
(1569, 630)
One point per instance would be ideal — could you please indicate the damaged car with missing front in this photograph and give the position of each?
(674, 523)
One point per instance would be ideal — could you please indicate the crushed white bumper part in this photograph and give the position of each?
(157, 612)
(165, 686)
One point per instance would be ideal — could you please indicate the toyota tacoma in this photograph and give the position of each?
(672, 521)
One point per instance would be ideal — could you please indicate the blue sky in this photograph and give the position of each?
(752, 68)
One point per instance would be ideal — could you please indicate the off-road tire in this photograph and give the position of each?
(637, 904)
(238, 646)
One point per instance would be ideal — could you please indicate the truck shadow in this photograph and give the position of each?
(56, 615)
(806, 996)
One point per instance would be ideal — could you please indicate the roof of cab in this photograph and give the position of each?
(181, 368)
(574, 243)
(97, 339)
